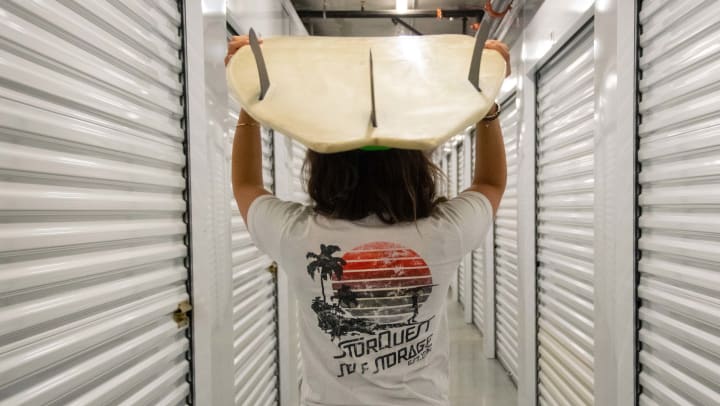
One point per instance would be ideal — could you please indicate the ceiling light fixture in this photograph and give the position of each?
(401, 6)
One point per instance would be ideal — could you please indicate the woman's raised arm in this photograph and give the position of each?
(247, 178)
(490, 174)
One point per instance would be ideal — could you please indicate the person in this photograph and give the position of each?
(370, 261)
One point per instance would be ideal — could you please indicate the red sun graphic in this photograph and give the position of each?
(387, 282)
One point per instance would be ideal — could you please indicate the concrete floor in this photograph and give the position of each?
(474, 380)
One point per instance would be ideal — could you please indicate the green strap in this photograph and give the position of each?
(375, 148)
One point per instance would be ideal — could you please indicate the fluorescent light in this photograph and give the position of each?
(401, 5)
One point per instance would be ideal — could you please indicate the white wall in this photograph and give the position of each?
(271, 18)
(553, 24)
(207, 125)
(209, 210)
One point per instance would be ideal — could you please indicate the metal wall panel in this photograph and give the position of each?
(273, 18)
(92, 206)
(555, 22)
(452, 182)
(679, 154)
(254, 296)
(268, 162)
(298, 193)
(478, 288)
(466, 173)
(299, 352)
(254, 320)
(565, 179)
(459, 186)
(452, 174)
(478, 264)
(505, 249)
(446, 178)
(299, 190)
(435, 157)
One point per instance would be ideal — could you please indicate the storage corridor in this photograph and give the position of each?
(128, 275)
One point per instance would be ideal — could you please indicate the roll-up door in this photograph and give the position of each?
(299, 353)
(437, 160)
(448, 180)
(505, 246)
(565, 131)
(443, 167)
(446, 177)
(478, 288)
(459, 186)
(268, 161)
(299, 190)
(93, 212)
(254, 305)
(477, 262)
(254, 320)
(452, 175)
(298, 193)
(679, 155)
(451, 163)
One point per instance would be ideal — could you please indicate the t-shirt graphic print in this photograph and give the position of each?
(376, 289)
(370, 297)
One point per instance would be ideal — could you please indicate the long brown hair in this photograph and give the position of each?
(396, 185)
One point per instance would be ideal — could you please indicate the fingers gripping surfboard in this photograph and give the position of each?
(325, 92)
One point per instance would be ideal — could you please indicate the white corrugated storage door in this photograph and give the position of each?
(478, 262)
(446, 177)
(254, 298)
(448, 180)
(459, 183)
(679, 154)
(565, 123)
(452, 175)
(92, 231)
(452, 192)
(268, 162)
(505, 244)
(478, 288)
(437, 160)
(298, 193)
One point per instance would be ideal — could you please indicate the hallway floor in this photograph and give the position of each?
(474, 380)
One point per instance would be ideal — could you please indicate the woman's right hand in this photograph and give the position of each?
(235, 43)
(504, 51)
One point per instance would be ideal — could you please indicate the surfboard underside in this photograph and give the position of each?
(320, 90)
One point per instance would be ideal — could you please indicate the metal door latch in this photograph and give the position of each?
(181, 314)
(273, 268)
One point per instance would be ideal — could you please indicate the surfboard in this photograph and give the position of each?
(323, 90)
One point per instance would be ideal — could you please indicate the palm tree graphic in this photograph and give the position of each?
(326, 264)
(345, 296)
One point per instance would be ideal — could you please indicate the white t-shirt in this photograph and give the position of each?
(371, 297)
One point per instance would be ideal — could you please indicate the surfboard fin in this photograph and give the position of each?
(373, 116)
(260, 62)
(480, 38)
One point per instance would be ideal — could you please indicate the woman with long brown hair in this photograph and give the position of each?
(370, 261)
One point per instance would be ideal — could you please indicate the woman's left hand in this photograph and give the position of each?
(235, 43)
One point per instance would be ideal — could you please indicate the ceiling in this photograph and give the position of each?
(384, 26)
